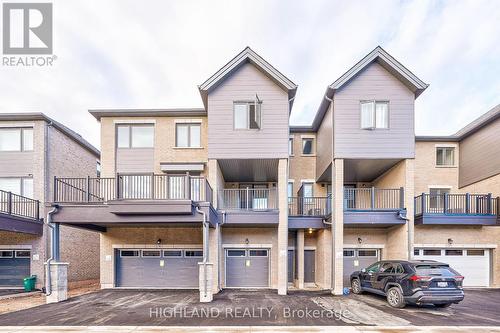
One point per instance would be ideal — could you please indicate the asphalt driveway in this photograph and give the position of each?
(258, 307)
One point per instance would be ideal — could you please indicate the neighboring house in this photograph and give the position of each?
(283, 204)
(33, 149)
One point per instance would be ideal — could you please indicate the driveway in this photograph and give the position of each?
(251, 308)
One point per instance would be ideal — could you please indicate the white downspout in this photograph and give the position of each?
(48, 281)
(205, 250)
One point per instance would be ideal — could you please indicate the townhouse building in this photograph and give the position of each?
(33, 150)
(231, 196)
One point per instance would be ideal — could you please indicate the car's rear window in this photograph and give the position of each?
(435, 270)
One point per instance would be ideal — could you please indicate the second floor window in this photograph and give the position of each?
(19, 186)
(247, 115)
(445, 156)
(16, 139)
(307, 146)
(374, 114)
(290, 146)
(135, 136)
(188, 135)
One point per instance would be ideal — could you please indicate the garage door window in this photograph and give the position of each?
(22, 254)
(367, 253)
(416, 252)
(348, 253)
(475, 252)
(258, 253)
(432, 252)
(172, 253)
(129, 253)
(193, 254)
(151, 253)
(236, 253)
(6, 254)
(454, 252)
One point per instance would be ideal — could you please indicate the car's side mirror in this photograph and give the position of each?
(363, 270)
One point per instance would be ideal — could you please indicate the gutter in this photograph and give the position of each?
(205, 250)
(48, 282)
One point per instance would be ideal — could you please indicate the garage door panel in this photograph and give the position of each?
(474, 268)
(13, 269)
(357, 259)
(244, 270)
(182, 272)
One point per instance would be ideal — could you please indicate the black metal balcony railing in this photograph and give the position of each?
(309, 206)
(17, 205)
(456, 204)
(370, 199)
(132, 187)
(248, 199)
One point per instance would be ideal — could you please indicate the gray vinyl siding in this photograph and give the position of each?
(271, 141)
(134, 160)
(480, 155)
(16, 164)
(324, 150)
(350, 141)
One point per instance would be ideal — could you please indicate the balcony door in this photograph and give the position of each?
(253, 196)
(436, 199)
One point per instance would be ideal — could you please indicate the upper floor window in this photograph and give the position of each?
(307, 146)
(135, 136)
(247, 115)
(290, 189)
(307, 190)
(19, 186)
(98, 168)
(290, 146)
(188, 135)
(374, 114)
(16, 139)
(445, 156)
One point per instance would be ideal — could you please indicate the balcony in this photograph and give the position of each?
(19, 214)
(308, 212)
(132, 187)
(456, 209)
(374, 207)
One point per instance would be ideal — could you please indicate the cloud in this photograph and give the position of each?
(153, 54)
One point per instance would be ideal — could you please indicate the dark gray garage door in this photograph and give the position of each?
(157, 268)
(247, 268)
(357, 259)
(14, 267)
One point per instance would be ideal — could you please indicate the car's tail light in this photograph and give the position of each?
(458, 278)
(420, 278)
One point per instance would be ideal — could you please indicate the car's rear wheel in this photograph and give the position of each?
(445, 305)
(356, 286)
(395, 298)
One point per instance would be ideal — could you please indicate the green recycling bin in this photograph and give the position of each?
(29, 283)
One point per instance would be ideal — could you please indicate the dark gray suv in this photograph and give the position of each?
(410, 282)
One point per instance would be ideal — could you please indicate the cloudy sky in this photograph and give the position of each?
(154, 54)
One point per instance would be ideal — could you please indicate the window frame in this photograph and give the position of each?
(135, 251)
(291, 149)
(194, 251)
(258, 109)
(313, 146)
(454, 156)
(250, 255)
(22, 185)
(179, 251)
(150, 251)
(374, 114)
(188, 125)
(130, 136)
(18, 255)
(21, 131)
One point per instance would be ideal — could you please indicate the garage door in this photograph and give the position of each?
(155, 268)
(473, 264)
(356, 260)
(14, 267)
(247, 268)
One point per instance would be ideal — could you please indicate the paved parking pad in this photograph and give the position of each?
(252, 308)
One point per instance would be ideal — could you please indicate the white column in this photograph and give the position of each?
(338, 226)
(283, 226)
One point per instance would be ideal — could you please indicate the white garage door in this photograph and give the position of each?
(473, 264)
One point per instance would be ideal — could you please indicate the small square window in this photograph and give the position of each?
(348, 253)
(193, 253)
(129, 253)
(416, 252)
(445, 156)
(6, 254)
(188, 135)
(236, 253)
(258, 253)
(172, 253)
(374, 114)
(23, 254)
(307, 146)
(454, 252)
(247, 115)
(475, 252)
(431, 252)
(151, 253)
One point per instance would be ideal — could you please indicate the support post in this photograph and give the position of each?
(337, 226)
(300, 258)
(283, 226)
(467, 203)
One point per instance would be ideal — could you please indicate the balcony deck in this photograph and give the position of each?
(457, 209)
(20, 214)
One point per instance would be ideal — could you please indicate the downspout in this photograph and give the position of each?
(205, 250)
(48, 282)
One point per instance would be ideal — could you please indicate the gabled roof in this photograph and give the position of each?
(178, 112)
(247, 56)
(383, 58)
(64, 129)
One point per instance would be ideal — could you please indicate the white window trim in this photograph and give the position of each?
(307, 181)
(247, 102)
(440, 186)
(188, 121)
(455, 155)
(375, 101)
(313, 138)
(134, 121)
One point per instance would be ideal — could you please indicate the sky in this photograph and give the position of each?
(154, 54)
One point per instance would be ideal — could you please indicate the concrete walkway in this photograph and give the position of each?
(241, 329)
